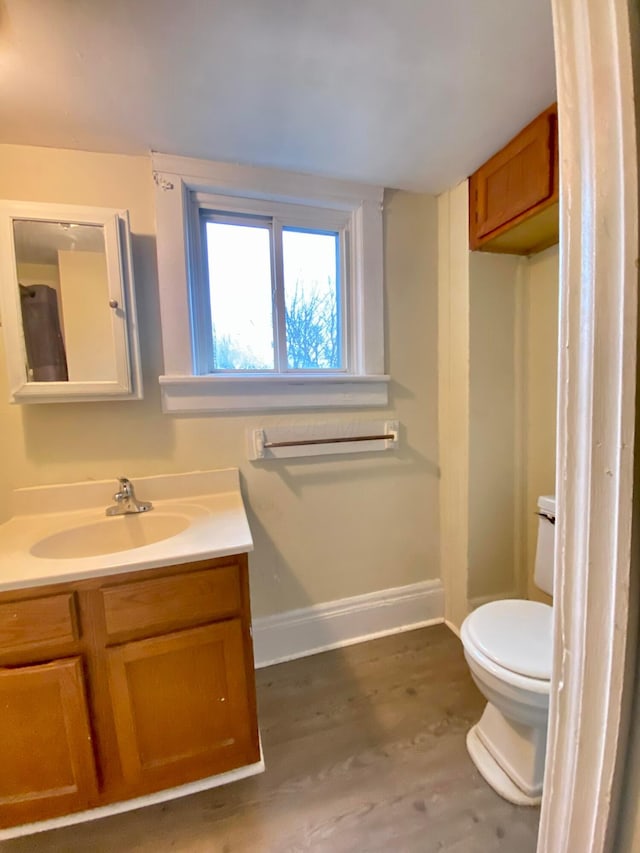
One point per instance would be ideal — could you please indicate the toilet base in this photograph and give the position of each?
(494, 775)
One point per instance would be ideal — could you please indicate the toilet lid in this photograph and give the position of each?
(517, 635)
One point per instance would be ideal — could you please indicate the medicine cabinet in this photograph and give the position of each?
(68, 303)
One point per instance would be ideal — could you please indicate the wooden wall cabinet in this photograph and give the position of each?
(120, 686)
(513, 197)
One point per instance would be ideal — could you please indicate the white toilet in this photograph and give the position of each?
(508, 646)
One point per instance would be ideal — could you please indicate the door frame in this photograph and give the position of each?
(595, 594)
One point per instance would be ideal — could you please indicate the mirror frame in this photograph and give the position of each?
(115, 224)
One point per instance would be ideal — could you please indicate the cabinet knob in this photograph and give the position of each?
(113, 303)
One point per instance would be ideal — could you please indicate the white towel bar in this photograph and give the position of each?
(283, 442)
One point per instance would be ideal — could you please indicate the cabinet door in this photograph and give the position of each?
(46, 757)
(519, 178)
(182, 708)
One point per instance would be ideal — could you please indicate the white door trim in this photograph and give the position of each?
(594, 623)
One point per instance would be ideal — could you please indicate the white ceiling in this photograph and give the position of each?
(413, 94)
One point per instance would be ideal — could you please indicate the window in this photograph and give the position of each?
(271, 289)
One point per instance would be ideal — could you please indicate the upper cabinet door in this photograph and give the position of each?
(68, 305)
(516, 183)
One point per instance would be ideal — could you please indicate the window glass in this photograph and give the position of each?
(239, 267)
(248, 289)
(312, 299)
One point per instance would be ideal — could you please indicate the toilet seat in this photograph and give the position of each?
(513, 639)
(507, 681)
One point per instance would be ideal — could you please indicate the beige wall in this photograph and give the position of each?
(540, 306)
(493, 499)
(323, 530)
(498, 322)
(478, 412)
(513, 357)
(453, 396)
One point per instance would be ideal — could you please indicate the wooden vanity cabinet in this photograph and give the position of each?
(513, 197)
(119, 686)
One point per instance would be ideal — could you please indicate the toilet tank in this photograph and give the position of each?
(543, 572)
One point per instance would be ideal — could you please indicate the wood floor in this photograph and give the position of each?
(365, 752)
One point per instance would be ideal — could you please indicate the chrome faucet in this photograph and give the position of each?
(126, 501)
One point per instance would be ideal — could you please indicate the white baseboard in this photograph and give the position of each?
(453, 628)
(298, 633)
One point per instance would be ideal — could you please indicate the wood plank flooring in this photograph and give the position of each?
(365, 753)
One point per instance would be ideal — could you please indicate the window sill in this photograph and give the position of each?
(192, 394)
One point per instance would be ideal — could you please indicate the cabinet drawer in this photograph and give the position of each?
(37, 622)
(155, 605)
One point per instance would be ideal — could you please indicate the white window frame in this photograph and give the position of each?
(182, 186)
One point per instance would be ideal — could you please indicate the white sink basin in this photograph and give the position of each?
(60, 533)
(119, 533)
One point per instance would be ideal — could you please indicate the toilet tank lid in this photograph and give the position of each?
(515, 634)
(547, 503)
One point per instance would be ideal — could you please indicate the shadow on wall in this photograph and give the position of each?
(299, 474)
(145, 265)
(331, 528)
(272, 581)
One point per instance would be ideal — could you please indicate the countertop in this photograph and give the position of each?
(209, 501)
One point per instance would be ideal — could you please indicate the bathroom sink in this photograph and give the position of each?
(110, 535)
(59, 533)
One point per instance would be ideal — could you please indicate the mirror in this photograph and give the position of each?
(68, 304)
(62, 279)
